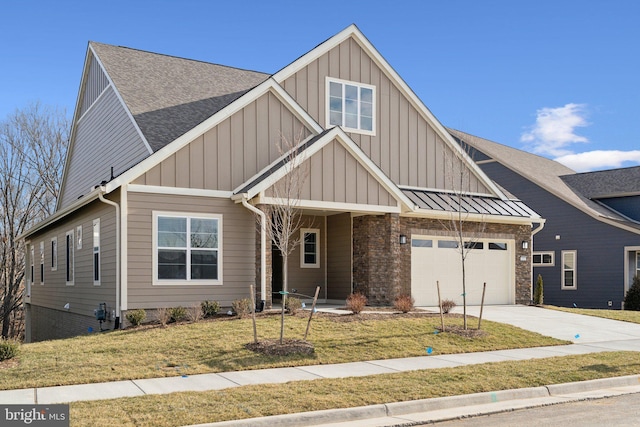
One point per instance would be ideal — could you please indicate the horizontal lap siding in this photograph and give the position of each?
(305, 280)
(238, 252)
(104, 137)
(83, 297)
(406, 147)
(339, 256)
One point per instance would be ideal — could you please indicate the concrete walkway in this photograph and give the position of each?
(589, 335)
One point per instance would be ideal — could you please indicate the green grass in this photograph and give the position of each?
(217, 346)
(623, 315)
(272, 399)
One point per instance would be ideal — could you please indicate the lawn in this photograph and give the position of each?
(300, 396)
(219, 345)
(623, 315)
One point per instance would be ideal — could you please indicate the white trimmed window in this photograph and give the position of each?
(543, 259)
(351, 106)
(42, 263)
(187, 249)
(638, 263)
(69, 257)
(79, 237)
(569, 261)
(310, 248)
(54, 253)
(96, 252)
(32, 256)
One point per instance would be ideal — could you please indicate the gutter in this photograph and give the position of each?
(263, 243)
(101, 193)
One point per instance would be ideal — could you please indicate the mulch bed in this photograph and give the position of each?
(288, 346)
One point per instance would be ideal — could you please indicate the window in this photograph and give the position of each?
(421, 243)
(96, 252)
(79, 237)
(569, 270)
(187, 248)
(497, 246)
(309, 252)
(32, 256)
(543, 259)
(54, 253)
(638, 263)
(448, 244)
(473, 245)
(351, 106)
(42, 263)
(69, 257)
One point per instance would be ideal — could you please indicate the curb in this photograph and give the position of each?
(395, 409)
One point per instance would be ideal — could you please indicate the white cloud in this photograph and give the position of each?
(555, 129)
(599, 159)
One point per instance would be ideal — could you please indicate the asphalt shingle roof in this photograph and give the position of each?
(169, 96)
(607, 183)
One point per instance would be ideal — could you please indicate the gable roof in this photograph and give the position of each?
(546, 173)
(272, 173)
(166, 95)
(353, 32)
(607, 183)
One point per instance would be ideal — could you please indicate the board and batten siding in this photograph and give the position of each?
(104, 137)
(405, 146)
(238, 251)
(235, 150)
(83, 297)
(339, 256)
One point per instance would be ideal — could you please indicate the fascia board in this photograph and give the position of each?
(496, 219)
(207, 125)
(359, 37)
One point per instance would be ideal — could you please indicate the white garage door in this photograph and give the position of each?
(437, 259)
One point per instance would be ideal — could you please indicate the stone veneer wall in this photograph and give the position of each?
(382, 266)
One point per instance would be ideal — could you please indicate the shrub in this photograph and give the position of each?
(194, 313)
(356, 302)
(632, 298)
(136, 317)
(448, 305)
(210, 308)
(538, 295)
(177, 314)
(163, 315)
(293, 304)
(404, 303)
(242, 307)
(8, 349)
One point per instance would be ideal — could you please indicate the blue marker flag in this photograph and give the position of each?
(429, 350)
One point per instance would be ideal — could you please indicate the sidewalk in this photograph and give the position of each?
(589, 334)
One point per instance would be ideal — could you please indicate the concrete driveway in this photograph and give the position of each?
(577, 328)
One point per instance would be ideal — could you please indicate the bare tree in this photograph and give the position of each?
(33, 143)
(283, 216)
(465, 231)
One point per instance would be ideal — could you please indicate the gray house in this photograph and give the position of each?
(172, 160)
(589, 248)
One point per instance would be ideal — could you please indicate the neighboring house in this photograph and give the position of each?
(589, 248)
(170, 161)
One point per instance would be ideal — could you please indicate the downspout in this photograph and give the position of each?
(263, 247)
(117, 206)
(533, 233)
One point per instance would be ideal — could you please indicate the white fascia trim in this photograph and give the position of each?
(178, 191)
(365, 44)
(495, 219)
(333, 206)
(122, 103)
(210, 123)
(93, 195)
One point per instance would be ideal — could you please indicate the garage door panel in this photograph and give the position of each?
(443, 264)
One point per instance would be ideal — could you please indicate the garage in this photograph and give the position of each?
(437, 259)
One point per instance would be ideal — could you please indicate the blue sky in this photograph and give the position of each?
(558, 78)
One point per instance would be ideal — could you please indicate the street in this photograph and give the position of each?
(612, 411)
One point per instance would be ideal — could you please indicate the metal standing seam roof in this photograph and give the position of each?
(472, 204)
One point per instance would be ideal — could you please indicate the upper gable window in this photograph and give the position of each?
(351, 106)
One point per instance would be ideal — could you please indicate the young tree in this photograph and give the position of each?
(465, 231)
(283, 216)
(33, 144)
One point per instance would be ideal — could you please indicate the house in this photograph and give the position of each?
(589, 248)
(171, 161)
